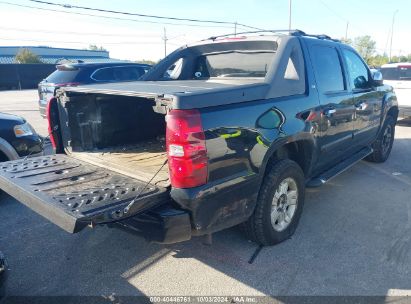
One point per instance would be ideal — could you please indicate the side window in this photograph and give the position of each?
(291, 71)
(295, 66)
(357, 70)
(104, 74)
(201, 70)
(327, 67)
(127, 73)
(173, 72)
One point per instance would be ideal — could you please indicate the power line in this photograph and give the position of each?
(74, 33)
(127, 13)
(114, 18)
(142, 15)
(333, 11)
(346, 20)
(79, 42)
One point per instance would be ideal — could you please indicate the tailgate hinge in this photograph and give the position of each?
(162, 105)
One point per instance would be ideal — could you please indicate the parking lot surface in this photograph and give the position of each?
(354, 238)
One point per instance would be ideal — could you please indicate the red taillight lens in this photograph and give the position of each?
(186, 149)
(50, 122)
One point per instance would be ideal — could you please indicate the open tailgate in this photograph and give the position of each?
(73, 194)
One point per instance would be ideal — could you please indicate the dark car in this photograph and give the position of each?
(73, 74)
(3, 275)
(18, 138)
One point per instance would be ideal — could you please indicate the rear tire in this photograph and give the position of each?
(279, 204)
(383, 145)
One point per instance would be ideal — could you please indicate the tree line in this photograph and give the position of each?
(366, 47)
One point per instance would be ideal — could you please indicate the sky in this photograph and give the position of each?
(142, 38)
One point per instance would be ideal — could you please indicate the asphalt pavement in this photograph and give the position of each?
(354, 238)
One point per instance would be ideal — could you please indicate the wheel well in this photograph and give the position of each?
(393, 111)
(299, 151)
(3, 157)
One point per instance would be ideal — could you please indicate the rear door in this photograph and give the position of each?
(337, 109)
(73, 194)
(367, 99)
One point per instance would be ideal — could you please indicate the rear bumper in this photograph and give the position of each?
(164, 225)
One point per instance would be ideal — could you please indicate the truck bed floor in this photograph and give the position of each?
(140, 162)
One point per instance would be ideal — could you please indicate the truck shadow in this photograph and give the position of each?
(354, 238)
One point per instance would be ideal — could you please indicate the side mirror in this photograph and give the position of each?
(377, 77)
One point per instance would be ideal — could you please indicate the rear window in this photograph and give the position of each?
(234, 64)
(396, 73)
(118, 74)
(390, 73)
(62, 76)
(405, 72)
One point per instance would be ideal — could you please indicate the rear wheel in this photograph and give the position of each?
(383, 145)
(279, 205)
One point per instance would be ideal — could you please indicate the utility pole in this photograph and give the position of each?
(165, 42)
(346, 31)
(235, 29)
(289, 14)
(392, 31)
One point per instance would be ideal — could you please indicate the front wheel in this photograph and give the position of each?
(383, 145)
(279, 205)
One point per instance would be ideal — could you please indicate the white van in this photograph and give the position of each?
(398, 75)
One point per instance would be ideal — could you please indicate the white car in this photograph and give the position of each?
(398, 75)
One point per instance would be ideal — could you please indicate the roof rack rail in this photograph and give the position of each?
(290, 32)
(321, 36)
(295, 32)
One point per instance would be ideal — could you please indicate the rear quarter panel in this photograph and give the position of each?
(240, 138)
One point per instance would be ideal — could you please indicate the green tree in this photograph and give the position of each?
(403, 58)
(27, 56)
(365, 46)
(378, 60)
(93, 47)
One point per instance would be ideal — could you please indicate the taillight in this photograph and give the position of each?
(186, 149)
(50, 122)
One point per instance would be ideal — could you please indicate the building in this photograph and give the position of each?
(50, 55)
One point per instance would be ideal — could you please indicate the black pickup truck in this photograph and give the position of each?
(223, 132)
